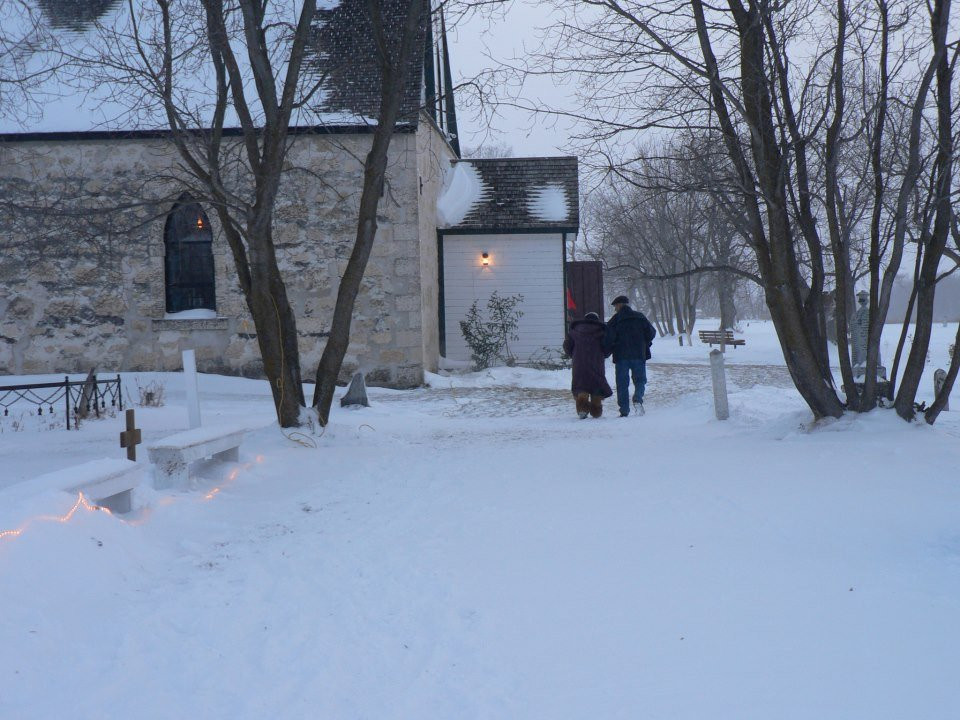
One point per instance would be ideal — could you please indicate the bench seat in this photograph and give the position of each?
(107, 482)
(174, 454)
(720, 337)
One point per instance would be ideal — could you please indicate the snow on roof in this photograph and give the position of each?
(517, 194)
(549, 203)
(463, 188)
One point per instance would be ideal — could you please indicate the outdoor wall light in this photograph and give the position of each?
(485, 259)
(199, 223)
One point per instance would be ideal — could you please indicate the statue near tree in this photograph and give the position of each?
(859, 332)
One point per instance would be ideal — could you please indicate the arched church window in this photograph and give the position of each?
(188, 259)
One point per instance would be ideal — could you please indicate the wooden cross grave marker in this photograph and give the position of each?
(131, 437)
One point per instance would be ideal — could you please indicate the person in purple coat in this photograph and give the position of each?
(584, 343)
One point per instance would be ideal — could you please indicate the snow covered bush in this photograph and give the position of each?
(151, 394)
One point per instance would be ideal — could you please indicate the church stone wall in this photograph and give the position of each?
(86, 289)
(433, 160)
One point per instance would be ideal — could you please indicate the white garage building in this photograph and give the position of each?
(503, 225)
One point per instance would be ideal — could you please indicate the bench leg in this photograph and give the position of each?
(231, 455)
(119, 503)
(173, 475)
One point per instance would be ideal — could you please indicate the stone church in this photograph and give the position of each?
(108, 261)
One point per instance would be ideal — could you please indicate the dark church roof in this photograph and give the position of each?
(76, 15)
(341, 54)
(344, 53)
(519, 194)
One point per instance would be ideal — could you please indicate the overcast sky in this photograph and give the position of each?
(483, 42)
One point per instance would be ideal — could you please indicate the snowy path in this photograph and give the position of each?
(667, 385)
(481, 553)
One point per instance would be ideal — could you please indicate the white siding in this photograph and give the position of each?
(528, 265)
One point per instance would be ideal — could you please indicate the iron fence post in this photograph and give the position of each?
(66, 397)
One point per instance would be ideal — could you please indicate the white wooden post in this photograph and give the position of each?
(190, 382)
(939, 378)
(720, 404)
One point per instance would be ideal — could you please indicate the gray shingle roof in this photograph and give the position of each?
(344, 51)
(75, 15)
(525, 194)
(341, 53)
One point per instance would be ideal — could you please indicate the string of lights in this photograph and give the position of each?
(82, 502)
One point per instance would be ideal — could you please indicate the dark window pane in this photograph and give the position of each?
(188, 262)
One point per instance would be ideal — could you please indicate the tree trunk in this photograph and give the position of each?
(339, 339)
(691, 297)
(901, 343)
(665, 312)
(772, 236)
(940, 401)
(87, 395)
(276, 327)
(917, 358)
(394, 70)
(943, 169)
(728, 310)
(800, 359)
(653, 311)
(677, 308)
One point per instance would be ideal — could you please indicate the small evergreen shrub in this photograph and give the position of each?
(489, 337)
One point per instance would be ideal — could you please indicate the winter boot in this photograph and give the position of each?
(596, 406)
(638, 407)
(583, 405)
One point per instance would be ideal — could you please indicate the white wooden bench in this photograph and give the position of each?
(174, 454)
(107, 482)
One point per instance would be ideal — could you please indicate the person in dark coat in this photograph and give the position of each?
(629, 337)
(584, 343)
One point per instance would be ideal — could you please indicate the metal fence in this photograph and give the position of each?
(79, 397)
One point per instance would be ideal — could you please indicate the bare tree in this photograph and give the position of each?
(29, 54)
(660, 226)
(229, 78)
(490, 150)
(656, 239)
(394, 51)
(802, 96)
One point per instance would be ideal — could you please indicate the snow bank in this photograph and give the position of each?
(446, 555)
(763, 346)
(463, 188)
(549, 203)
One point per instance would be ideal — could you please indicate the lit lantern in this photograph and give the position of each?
(199, 223)
(485, 259)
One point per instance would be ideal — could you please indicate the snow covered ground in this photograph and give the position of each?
(472, 550)
(763, 348)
